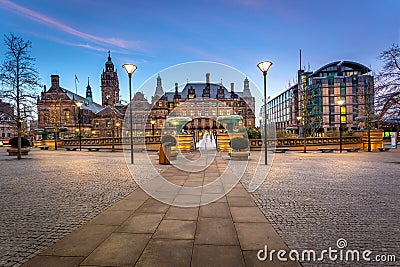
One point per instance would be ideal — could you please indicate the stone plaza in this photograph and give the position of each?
(311, 200)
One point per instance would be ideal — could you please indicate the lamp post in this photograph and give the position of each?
(340, 103)
(264, 67)
(79, 105)
(152, 126)
(299, 124)
(118, 124)
(130, 69)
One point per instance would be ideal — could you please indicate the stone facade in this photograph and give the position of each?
(58, 113)
(203, 102)
(7, 126)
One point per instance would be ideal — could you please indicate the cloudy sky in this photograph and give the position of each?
(73, 37)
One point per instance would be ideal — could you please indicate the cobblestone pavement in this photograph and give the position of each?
(311, 199)
(49, 193)
(314, 199)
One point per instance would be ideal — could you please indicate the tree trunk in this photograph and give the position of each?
(19, 140)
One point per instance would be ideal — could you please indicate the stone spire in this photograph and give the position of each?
(246, 88)
(89, 95)
(159, 89)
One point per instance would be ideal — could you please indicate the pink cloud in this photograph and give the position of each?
(49, 22)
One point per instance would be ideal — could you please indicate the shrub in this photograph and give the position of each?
(253, 133)
(239, 143)
(168, 140)
(24, 142)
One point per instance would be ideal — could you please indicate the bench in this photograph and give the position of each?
(280, 150)
(93, 148)
(326, 149)
(44, 148)
(14, 151)
(239, 155)
(71, 148)
(384, 149)
(352, 149)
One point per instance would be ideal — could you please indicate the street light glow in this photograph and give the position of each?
(264, 66)
(79, 104)
(130, 68)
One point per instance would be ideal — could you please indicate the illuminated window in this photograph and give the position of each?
(67, 116)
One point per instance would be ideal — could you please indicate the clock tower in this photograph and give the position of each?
(109, 84)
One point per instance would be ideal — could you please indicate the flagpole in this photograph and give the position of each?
(76, 87)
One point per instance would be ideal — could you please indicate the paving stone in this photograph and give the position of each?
(176, 229)
(241, 201)
(120, 249)
(237, 192)
(58, 261)
(247, 214)
(183, 214)
(153, 206)
(166, 252)
(216, 231)
(215, 210)
(82, 241)
(211, 255)
(111, 217)
(254, 236)
(141, 223)
(138, 194)
(252, 260)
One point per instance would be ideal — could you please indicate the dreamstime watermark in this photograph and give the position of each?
(206, 108)
(338, 253)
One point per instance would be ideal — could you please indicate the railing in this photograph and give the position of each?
(143, 142)
(153, 142)
(257, 144)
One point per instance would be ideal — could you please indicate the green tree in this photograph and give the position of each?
(20, 80)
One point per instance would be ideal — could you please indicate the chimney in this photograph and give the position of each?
(176, 88)
(55, 81)
(232, 87)
(208, 78)
(44, 88)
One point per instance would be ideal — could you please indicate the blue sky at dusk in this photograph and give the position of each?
(72, 37)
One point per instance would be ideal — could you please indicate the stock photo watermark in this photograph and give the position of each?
(340, 253)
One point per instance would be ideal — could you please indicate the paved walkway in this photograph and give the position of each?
(141, 231)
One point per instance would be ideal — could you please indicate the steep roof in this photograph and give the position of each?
(198, 88)
(94, 107)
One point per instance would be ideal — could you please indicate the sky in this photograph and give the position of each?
(73, 38)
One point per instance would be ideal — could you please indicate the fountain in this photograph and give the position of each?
(185, 141)
(224, 139)
(229, 121)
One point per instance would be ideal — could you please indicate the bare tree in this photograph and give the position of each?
(387, 84)
(20, 80)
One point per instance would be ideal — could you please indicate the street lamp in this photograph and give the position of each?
(340, 103)
(130, 69)
(298, 123)
(79, 105)
(118, 124)
(264, 67)
(302, 124)
(152, 126)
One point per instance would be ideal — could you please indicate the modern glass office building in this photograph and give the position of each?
(315, 105)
